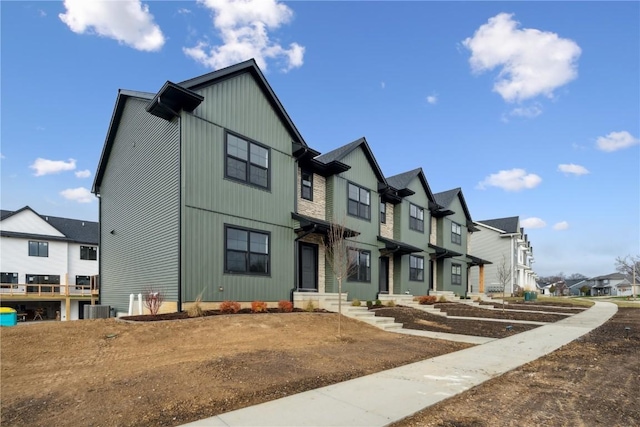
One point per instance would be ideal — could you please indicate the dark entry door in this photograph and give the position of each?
(384, 275)
(308, 267)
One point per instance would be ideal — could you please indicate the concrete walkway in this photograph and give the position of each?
(388, 396)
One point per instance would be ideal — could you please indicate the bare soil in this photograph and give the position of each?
(164, 373)
(592, 381)
(113, 373)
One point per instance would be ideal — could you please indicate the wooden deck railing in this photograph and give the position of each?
(48, 290)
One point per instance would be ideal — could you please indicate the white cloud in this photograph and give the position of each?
(383, 85)
(80, 195)
(527, 112)
(184, 11)
(531, 62)
(533, 222)
(2, 156)
(49, 167)
(83, 174)
(432, 99)
(573, 169)
(127, 21)
(243, 26)
(617, 141)
(562, 225)
(511, 180)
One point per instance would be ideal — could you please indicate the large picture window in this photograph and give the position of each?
(416, 218)
(89, 253)
(416, 268)
(361, 272)
(456, 274)
(247, 251)
(38, 249)
(359, 201)
(306, 185)
(456, 233)
(247, 161)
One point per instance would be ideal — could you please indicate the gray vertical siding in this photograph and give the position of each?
(210, 200)
(140, 203)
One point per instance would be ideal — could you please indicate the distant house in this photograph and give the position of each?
(614, 284)
(503, 242)
(48, 264)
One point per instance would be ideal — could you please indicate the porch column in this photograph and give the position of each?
(481, 278)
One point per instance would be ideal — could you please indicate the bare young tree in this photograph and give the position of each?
(340, 259)
(153, 300)
(504, 277)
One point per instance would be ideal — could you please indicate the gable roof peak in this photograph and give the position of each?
(341, 152)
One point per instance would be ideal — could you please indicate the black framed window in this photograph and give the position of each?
(416, 268)
(361, 271)
(246, 251)
(456, 233)
(42, 279)
(359, 201)
(38, 248)
(383, 212)
(8, 277)
(89, 253)
(247, 161)
(416, 218)
(306, 185)
(456, 274)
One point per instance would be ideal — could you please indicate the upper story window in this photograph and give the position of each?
(456, 233)
(247, 161)
(246, 251)
(416, 268)
(359, 202)
(306, 190)
(456, 274)
(383, 212)
(361, 272)
(38, 248)
(89, 253)
(416, 218)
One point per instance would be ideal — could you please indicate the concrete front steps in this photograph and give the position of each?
(407, 301)
(361, 313)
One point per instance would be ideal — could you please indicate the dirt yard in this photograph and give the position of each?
(592, 381)
(112, 373)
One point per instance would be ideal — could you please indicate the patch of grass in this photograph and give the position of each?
(626, 304)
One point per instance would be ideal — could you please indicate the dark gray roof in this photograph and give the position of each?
(508, 225)
(402, 180)
(339, 153)
(75, 230)
(445, 198)
(613, 276)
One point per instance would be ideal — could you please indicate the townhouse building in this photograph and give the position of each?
(48, 265)
(208, 191)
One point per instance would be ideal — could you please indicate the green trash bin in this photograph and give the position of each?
(8, 316)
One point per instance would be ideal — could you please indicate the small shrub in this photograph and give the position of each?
(229, 307)
(426, 299)
(356, 302)
(391, 303)
(442, 298)
(285, 306)
(258, 307)
(309, 306)
(378, 302)
(369, 303)
(196, 309)
(477, 299)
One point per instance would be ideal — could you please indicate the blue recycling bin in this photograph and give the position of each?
(8, 316)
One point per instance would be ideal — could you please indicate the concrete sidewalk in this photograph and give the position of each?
(388, 396)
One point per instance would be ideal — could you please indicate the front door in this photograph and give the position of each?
(308, 267)
(384, 275)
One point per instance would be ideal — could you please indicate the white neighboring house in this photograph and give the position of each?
(503, 240)
(48, 265)
(614, 284)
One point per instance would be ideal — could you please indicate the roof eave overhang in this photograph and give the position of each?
(393, 246)
(172, 98)
(441, 252)
(318, 226)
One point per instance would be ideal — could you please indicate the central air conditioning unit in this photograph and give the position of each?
(96, 311)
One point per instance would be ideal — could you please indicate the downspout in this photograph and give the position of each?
(172, 111)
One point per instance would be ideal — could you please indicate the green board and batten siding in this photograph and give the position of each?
(405, 234)
(143, 250)
(444, 240)
(210, 200)
(363, 175)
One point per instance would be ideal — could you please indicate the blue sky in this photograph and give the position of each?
(532, 108)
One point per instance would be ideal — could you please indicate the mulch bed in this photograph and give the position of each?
(412, 318)
(185, 315)
(463, 310)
